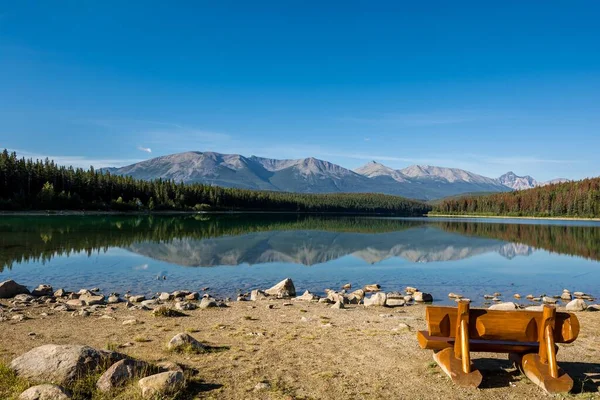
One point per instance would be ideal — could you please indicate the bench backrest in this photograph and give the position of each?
(520, 326)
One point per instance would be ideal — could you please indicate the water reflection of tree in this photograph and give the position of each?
(26, 239)
(582, 241)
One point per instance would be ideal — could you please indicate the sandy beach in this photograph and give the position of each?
(299, 350)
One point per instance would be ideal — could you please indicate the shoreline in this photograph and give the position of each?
(464, 216)
(53, 213)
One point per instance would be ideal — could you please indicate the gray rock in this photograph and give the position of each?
(113, 299)
(256, 295)
(593, 307)
(208, 302)
(131, 322)
(75, 303)
(165, 383)
(334, 297)
(549, 300)
(24, 298)
(61, 363)
(149, 303)
(60, 293)
(45, 392)
(506, 306)
(307, 296)
(10, 288)
(92, 299)
(576, 305)
(422, 297)
(395, 295)
(377, 299)
(121, 372)
(185, 306)
(394, 302)
(42, 290)
(356, 297)
(137, 299)
(283, 289)
(325, 300)
(183, 340)
(179, 294)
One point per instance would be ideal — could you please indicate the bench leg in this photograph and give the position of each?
(542, 368)
(456, 362)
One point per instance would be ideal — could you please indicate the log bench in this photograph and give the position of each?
(529, 337)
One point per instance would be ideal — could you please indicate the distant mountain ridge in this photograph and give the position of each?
(311, 175)
(513, 181)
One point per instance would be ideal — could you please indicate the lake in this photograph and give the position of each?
(237, 252)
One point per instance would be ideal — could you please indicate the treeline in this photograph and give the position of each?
(26, 184)
(50, 236)
(580, 199)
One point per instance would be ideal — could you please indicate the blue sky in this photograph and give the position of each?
(485, 86)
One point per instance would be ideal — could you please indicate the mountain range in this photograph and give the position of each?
(311, 175)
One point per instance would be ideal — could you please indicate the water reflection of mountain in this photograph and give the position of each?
(420, 244)
(305, 239)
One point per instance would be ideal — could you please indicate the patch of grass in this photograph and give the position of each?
(303, 311)
(189, 349)
(141, 339)
(112, 346)
(164, 311)
(192, 330)
(250, 318)
(11, 386)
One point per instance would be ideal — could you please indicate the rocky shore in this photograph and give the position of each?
(270, 343)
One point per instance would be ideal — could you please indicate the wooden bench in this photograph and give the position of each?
(529, 337)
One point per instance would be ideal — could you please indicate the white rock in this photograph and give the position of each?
(377, 299)
(576, 305)
(256, 295)
(338, 305)
(121, 372)
(165, 383)
(45, 392)
(506, 306)
(422, 297)
(283, 289)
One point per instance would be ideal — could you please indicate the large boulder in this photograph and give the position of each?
(61, 364)
(576, 305)
(10, 288)
(121, 372)
(377, 299)
(45, 392)
(165, 383)
(283, 289)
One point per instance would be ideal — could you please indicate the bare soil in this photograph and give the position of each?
(303, 351)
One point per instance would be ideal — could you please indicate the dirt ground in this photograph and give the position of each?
(303, 351)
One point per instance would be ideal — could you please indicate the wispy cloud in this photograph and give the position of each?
(420, 119)
(77, 161)
(146, 149)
